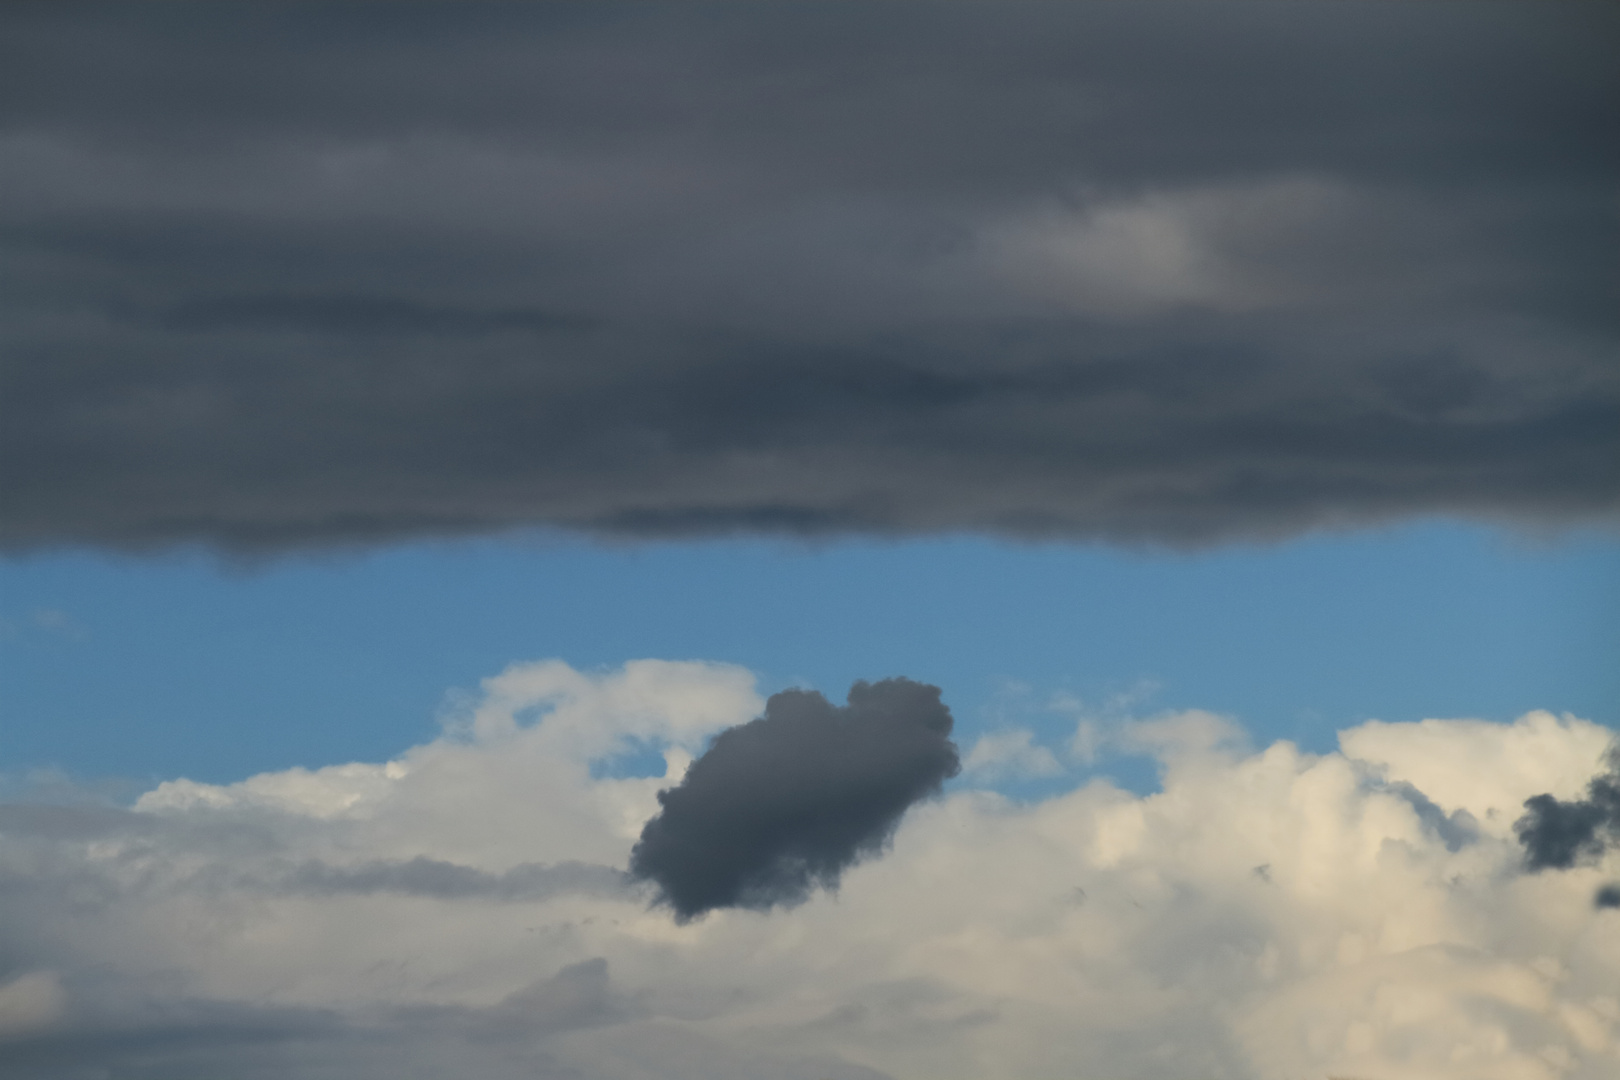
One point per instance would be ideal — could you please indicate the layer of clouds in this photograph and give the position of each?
(1180, 273)
(1267, 914)
(786, 803)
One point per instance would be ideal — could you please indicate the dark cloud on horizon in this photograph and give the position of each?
(1558, 834)
(786, 803)
(1183, 273)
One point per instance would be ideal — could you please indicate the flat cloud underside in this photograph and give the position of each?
(652, 272)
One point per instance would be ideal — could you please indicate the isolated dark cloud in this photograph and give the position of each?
(1558, 834)
(1607, 896)
(279, 277)
(785, 803)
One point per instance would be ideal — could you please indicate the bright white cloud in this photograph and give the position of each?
(1268, 914)
(511, 780)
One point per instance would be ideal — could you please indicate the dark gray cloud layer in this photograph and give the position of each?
(783, 804)
(300, 276)
(1558, 834)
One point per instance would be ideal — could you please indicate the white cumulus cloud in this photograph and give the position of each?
(1267, 914)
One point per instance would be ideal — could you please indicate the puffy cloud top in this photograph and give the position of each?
(463, 911)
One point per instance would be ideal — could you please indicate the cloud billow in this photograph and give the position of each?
(1178, 275)
(785, 803)
(457, 911)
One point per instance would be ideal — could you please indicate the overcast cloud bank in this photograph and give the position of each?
(1177, 273)
(461, 910)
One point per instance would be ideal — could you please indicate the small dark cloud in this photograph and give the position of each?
(785, 803)
(1558, 834)
(1608, 896)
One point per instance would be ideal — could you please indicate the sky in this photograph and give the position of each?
(874, 541)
